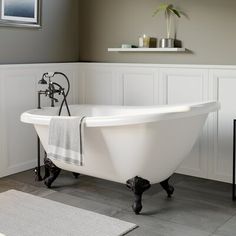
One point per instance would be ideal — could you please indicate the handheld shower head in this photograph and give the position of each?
(42, 81)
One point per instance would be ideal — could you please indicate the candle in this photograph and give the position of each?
(144, 41)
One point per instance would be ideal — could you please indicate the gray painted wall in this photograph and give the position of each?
(210, 31)
(57, 41)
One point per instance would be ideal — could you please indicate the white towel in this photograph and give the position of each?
(66, 140)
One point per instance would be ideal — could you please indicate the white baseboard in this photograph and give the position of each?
(19, 168)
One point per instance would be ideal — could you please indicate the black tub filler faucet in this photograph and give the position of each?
(50, 92)
(54, 88)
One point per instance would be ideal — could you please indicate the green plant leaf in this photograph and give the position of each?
(162, 7)
(175, 12)
(170, 6)
(168, 9)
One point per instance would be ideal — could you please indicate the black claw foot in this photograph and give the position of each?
(46, 167)
(76, 175)
(168, 188)
(138, 185)
(51, 172)
(47, 172)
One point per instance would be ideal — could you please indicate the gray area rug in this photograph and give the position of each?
(23, 214)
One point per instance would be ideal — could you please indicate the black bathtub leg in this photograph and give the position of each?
(46, 168)
(138, 185)
(52, 172)
(37, 170)
(168, 188)
(76, 175)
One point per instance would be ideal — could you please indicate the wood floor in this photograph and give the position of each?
(199, 207)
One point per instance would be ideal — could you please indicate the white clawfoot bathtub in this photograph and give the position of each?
(136, 145)
(121, 142)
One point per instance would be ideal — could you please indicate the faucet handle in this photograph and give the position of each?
(50, 74)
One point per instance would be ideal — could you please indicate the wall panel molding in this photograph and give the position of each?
(188, 85)
(123, 84)
(150, 84)
(223, 83)
(18, 93)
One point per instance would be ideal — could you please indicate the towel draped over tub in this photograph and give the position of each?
(65, 142)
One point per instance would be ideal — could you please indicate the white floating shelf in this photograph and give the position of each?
(146, 49)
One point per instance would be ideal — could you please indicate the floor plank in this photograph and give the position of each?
(198, 207)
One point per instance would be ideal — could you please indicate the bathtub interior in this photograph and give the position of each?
(99, 115)
(99, 110)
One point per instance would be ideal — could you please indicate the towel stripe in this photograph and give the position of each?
(81, 139)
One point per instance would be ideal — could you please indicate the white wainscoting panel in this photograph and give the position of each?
(224, 85)
(133, 84)
(18, 93)
(3, 131)
(140, 87)
(98, 87)
(122, 84)
(188, 85)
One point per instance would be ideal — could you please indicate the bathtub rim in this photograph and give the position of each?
(185, 110)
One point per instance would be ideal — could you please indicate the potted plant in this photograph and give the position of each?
(169, 11)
